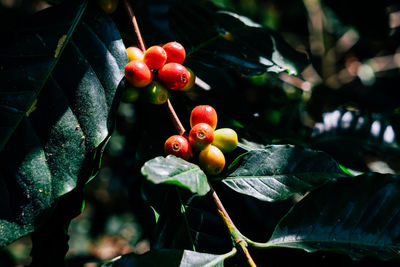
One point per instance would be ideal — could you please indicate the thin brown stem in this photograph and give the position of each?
(174, 118)
(236, 236)
(220, 206)
(140, 43)
(135, 26)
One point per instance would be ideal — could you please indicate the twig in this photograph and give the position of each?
(175, 120)
(139, 39)
(135, 25)
(236, 236)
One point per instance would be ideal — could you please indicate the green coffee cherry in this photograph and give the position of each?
(155, 93)
(131, 94)
(225, 139)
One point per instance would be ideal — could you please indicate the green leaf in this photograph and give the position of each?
(348, 134)
(219, 37)
(358, 216)
(174, 170)
(279, 171)
(171, 258)
(60, 73)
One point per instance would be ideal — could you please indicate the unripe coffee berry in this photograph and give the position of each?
(155, 57)
(134, 53)
(175, 52)
(225, 139)
(138, 74)
(131, 94)
(211, 160)
(192, 79)
(201, 135)
(205, 114)
(179, 146)
(173, 76)
(155, 93)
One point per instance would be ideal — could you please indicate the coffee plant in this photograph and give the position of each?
(240, 133)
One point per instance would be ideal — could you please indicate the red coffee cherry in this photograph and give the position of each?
(201, 135)
(173, 76)
(205, 114)
(138, 74)
(155, 57)
(179, 146)
(212, 160)
(134, 53)
(175, 52)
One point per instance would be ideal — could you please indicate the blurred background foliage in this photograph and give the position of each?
(345, 103)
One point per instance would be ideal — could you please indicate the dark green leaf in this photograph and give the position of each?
(174, 170)
(357, 216)
(222, 38)
(171, 258)
(279, 171)
(60, 74)
(350, 135)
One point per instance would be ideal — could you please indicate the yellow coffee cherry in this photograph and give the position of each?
(225, 139)
(211, 160)
(134, 53)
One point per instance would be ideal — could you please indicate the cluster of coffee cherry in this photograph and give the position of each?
(153, 72)
(204, 143)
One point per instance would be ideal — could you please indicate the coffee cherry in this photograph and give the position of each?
(190, 83)
(131, 94)
(179, 146)
(155, 57)
(211, 160)
(204, 113)
(225, 139)
(134, 53)
(138, 74)
(155, 93)
(174, 76)
(175, 52)
(109, 6)
(201, 135)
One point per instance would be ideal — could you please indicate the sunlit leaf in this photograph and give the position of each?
(174, 170)
(279, 171)
(60, 73)
(350, 135)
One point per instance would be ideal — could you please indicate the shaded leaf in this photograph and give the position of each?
(222, 38)
(174, 170)
(57, 105)
(199, 224)
(350, 135)
(170, 258)
(358, 216)
(279, 171)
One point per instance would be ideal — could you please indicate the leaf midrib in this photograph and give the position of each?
(302, 241)
(277, 176)
(72, 28)
(186, 171)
